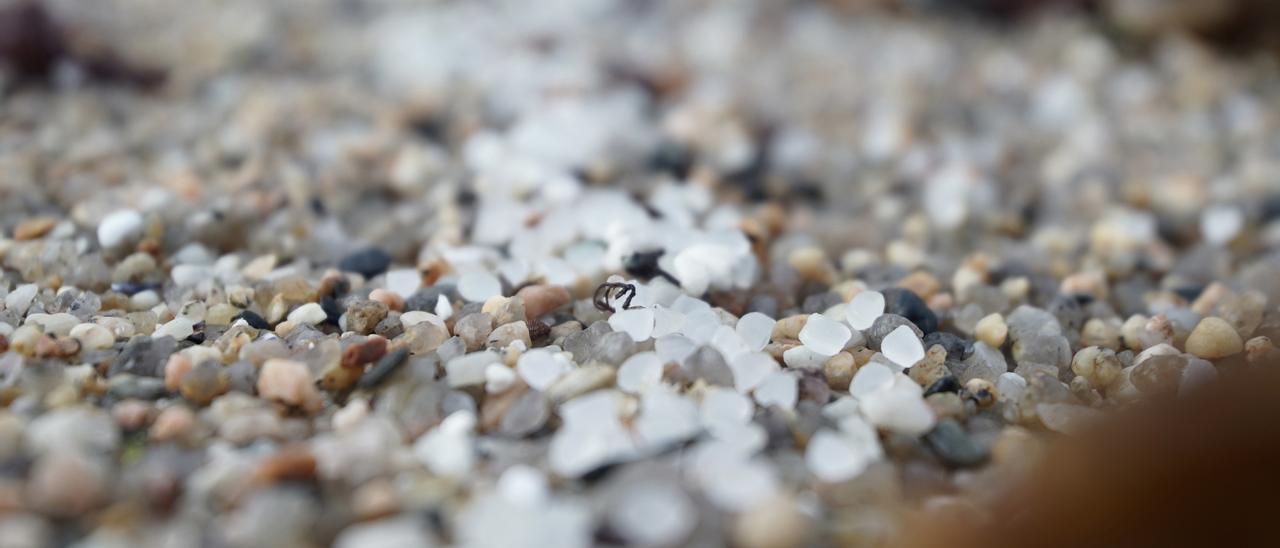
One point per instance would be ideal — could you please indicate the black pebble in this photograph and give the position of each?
(384, 367)
(945, 384)
(908, 305)
(954, 447)
(331, 309)
(133, 288)
(673, 158)
(368, 262)
(957, 348)
(253, 319)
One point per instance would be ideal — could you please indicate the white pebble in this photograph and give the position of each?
(469, 369)
(119, 228)
(666, 321)
(864, 309)
(723, 409)
(636, 323)
(804, 357)
(415, 317)
(780, 389)
(838, 456)
(178, 328)
(870, 378)
(523, 485)
(498, 378)
(403, 281)
(308, 314)
(899, 407)
(448, 449)
(186, 275)
(93, 336)
(654, 514)
(751, 368)
(54, 324)
(19, 300)
(902, 347)
(540, 368)
(755, 329)
(727, 341)
(479, 286)
(444, 308)
(1220, 224)
(824, 335)
(639, 372)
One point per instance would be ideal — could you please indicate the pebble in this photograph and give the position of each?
(368, 262)
(540, 300)
(34, 228)
(289, 382)
(863, 310)
(823, 335)
(362, 315)
(902, 347)
(120, 228)
(308, 314)
(954, 447)
(776, 522)
(636, 322)
(506, 335)
(992, 330)
(839, 370)
(1213, 338)
(479, 286)
(910, 306)
(19, 299)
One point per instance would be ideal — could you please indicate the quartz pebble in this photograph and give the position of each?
(903, 347)
(864, 309)
(823, 335)
(119, 228)
(1214, 338)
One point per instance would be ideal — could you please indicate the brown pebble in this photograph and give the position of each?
(174, 423)
(289, 463)
(174, 369)
(540, 300)
(922, 283)
(340, 379)
(839, 371)
(359, 354)
(131, 414)
(31, 229)
(204, 383)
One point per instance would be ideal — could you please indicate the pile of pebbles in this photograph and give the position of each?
(606, 273)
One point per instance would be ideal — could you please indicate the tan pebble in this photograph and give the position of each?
(946, 404)
(1016, 289)
(941, 301)
(131, 414)
(1100, 332)
(1207, 302)
(220, 314)
(375, 499)
(174, 423)
(177, 367)
(1093, 283)
(811, 263)
(389, 298)
(24, 339)
(540, 300)
(1131, 332)
(982, 391)
(289, 382)
(789, 327)
(927, 372)
(774, 523)
(862, 355)
(93, 336)
(1214, 338)
(1260, 350)
(31, 229)
(992, 330)
(922, 283)
(1099, 366)
(839, 371)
